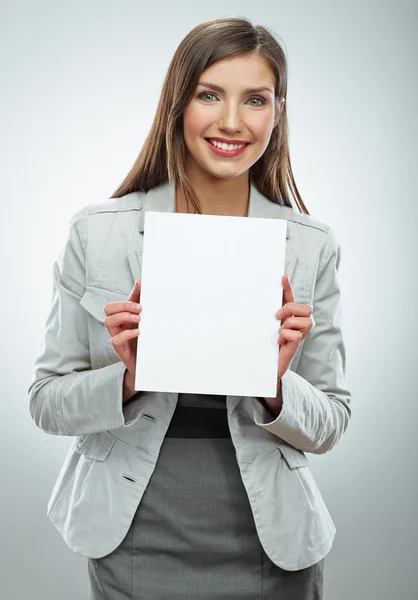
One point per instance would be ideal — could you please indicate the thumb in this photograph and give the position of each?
(136, 292)
(288, 295)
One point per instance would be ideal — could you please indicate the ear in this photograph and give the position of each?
(279, 106)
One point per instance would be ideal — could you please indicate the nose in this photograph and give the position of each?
(230, 119)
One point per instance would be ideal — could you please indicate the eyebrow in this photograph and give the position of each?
(246, 91)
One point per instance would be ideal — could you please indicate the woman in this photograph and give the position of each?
(194, 496)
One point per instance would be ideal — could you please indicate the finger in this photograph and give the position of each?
(114, 322)
(298, 323)
(288, 295)
(290, 337)
(289, 341)
(294, 309)
(121, 306)
(128, 351)
(136, 291)
(119, 340)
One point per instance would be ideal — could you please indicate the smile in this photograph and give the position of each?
(229, 151)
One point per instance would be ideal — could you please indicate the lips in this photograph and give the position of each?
(226, 153)
(234, 143)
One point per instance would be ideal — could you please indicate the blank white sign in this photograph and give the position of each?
(211, 286)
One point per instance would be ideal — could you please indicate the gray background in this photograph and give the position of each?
(79, 86)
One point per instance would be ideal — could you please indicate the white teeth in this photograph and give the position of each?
(224, 146)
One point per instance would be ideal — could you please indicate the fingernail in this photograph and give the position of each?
(279, 313)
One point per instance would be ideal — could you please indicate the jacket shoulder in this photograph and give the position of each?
(96, 219)
(305, 220)
(317, 237)
(129, 202)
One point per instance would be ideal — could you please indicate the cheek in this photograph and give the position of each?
(195, 121)
(262, 127)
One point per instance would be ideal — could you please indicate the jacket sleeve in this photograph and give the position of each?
(67, 397)
(316, 403)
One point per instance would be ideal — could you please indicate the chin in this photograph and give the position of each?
(225, 176)
(227, 172)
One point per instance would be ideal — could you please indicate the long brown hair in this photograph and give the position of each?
(164, 153)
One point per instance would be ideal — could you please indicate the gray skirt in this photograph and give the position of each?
(193, 535)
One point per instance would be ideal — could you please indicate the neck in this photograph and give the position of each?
(218, 196)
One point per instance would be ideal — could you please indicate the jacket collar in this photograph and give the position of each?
(162, 199)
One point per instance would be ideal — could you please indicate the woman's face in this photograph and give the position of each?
(223, 107)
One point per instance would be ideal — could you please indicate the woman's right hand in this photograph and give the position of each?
(122, 318)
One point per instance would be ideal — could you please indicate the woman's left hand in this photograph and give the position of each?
(296, 322)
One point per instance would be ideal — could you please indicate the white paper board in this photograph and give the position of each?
(211, 286)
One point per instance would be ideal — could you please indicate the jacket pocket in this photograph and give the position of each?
(140, 434)
(95, 445)
(94, 300)
(294, 458)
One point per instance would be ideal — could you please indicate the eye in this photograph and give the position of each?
(260, 98)
(205, 94)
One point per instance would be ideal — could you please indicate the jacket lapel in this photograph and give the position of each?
(159, 199)
(134, 254)
(162, 199)
(262, 207)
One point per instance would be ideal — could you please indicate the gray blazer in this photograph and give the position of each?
(76, 389)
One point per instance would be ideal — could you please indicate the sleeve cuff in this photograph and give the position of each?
(129, 411)
(263, 418)
(96, 401)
